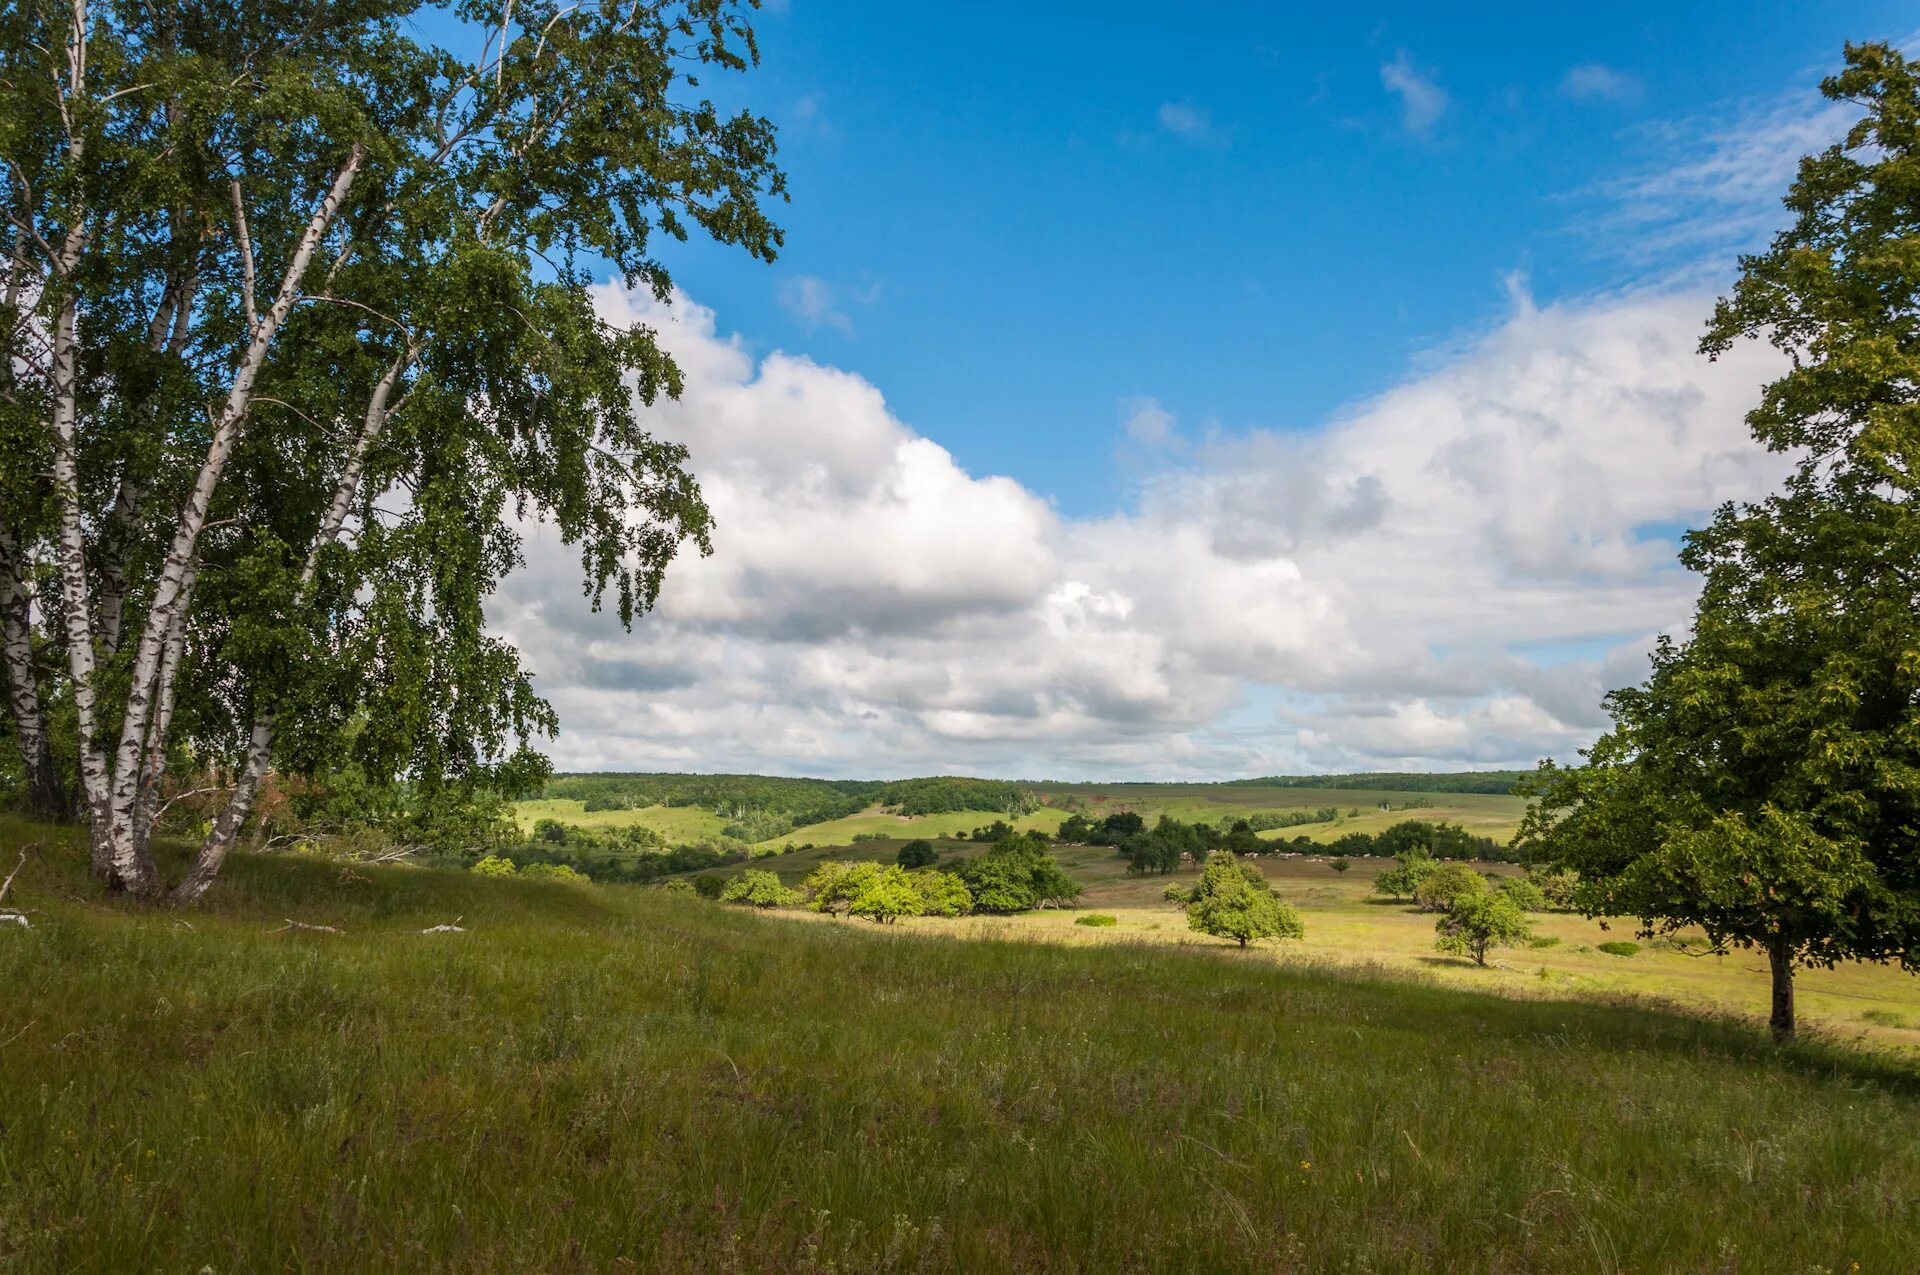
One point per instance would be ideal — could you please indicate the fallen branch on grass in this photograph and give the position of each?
(12, 916)
(453, 927)
(302, 925)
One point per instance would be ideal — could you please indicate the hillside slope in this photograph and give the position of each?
(593, 1075)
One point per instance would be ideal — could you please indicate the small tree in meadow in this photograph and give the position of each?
(834, 885)
(1340, 865)
(1401, 880)
(888, 896)
(918, 853)
(943, 893)
(1446, 886)
(759, 888)
(1479, 921)
(1233, 901)
(1524, 892)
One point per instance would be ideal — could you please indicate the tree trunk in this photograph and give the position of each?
(131, 867)
(1780, 1021)
(226, 828)
(46, 795)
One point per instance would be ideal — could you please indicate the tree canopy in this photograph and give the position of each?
(298, 330)
(1234, 901)
(1764, 782)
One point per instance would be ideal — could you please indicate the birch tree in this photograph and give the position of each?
(317, 337)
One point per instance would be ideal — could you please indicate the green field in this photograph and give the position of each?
(603, 1078)
(1487, 815)
(676, 823)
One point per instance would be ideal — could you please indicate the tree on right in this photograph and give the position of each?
(1764, 782)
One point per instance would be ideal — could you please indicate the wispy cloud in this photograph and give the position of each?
(1422, 100)
(1597, 81)
(1187, 121)
(815, 302)
(1710, 188)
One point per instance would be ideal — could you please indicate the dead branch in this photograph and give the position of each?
(453, 927)
(302, 925)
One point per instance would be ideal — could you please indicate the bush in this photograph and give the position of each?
(679, 885)
(494, 866)
(1401, 880)
(1096, 919)
(918, 853)
(1340, 865)
(1618, 947)
(708, 885)
(1523, 891)
(1447, 886)
(943, 893)
(888, 895)
(833, 886)
(553, 871)
(1016, 874)
(1479, 920)
(759, 888)
(1233, 901)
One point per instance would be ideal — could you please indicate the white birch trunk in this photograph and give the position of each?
(132, 869)
(226, 829)
(45, 795)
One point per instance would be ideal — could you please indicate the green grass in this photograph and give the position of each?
(677, 824)
(598, 1078)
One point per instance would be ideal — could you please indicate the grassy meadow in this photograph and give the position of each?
(606, 1078)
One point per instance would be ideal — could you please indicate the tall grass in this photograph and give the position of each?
(602, 1079)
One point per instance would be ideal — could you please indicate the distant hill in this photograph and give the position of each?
(1489, 781)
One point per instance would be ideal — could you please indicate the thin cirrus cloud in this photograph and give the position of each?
(1592, 81)
(1422, 100)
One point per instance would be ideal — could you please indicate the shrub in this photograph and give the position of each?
(709, 884)
(1177, 894)
(494, 866)
(833, 886)
(943, 893)
(1096, 919)
(888, 895)
(759, 888)
(1401, 880)
(1558, 885)
(553, 871)
(1017, 873)
(918, 853)
(1233, 901)
(1340, 865)
(1618, 947)
(679, 885)
(1523, 891)
(1447, 886)
(1479, 920)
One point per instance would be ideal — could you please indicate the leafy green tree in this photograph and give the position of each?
(1234, 901)
(1525, 893)
(494, 866)
(1340, 865)
(759, 888)
(1401, 880)
(1479, 920)
(832, 886)
(887, 896)
(943, 893)
(1446, 886)
(318, 331)
(1764, 782)
(1016, 874)
(918, 853)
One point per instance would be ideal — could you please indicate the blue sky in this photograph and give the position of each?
(1017, 218)
(1274, 392)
